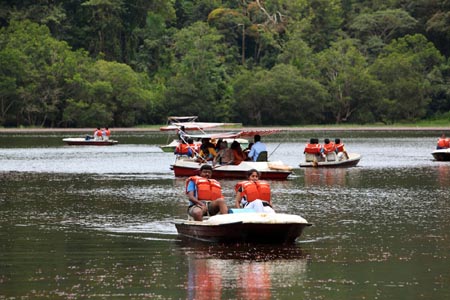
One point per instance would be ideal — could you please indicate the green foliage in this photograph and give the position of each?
(126, 63)
(279, 96)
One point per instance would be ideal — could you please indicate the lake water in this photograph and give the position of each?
(96, 222)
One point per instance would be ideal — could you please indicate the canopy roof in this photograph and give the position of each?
(190, 126)
(231, 135)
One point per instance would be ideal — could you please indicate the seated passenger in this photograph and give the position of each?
(340, 148)
(443, 142)
(313, 147)
(224, 155)
(207, 151)
(238, 155)
(328, 147)
(184, 148)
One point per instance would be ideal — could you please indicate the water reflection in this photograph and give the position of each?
(251, 271)
(325, 176)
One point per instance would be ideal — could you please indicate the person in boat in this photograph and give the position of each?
(443, 142)
(205, 195)
(257, 148)
(328, 147)
(98, 134)
(224, 155)
(182, 133)
(238, 154)
(207, 151)
(340, 148)
(106, 133)
(247, 151)
(185, 148)
(253, 193)
(313, 147)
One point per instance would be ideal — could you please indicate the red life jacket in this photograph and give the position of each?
(340, 147)
(443, 143)
(330, 147)
(207, 189)
(182, 149)
(254, 190)
(312, 148)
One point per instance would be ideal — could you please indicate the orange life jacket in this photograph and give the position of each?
(340, 147)
(443, 143)
(108, 132)
(330, 147)
(312, 148)
(182, 149)
(98, 133)
(254, 190)
(207, 189)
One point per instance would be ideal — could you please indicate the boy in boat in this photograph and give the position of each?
(205, 195)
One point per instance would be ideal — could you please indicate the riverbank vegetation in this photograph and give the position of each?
(71, 63)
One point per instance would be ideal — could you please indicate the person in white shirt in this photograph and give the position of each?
(257, 148)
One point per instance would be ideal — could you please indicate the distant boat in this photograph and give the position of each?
(332, 160)
(441, 154)
(88, 142)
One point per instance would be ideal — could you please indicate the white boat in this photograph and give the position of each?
(332, 160)
(186, 166)
(89, 142)
(441, 154)
(247, 227)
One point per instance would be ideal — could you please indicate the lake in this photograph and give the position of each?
(96, 222)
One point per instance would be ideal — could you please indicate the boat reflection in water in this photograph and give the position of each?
(246, 270)
(325, 176)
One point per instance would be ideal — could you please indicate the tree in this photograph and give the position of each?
(403, 69)
(344, 72)
(199, 84)
(279, 96)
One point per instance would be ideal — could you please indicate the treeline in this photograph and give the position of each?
(77, 63)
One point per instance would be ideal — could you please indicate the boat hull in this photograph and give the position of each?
(84, 142)
(264, 232)
(441, 154)
(352, 161)
(268, 170)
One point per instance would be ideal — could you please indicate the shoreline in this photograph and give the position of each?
(292, 129)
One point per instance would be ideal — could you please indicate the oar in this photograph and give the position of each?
(274, 150)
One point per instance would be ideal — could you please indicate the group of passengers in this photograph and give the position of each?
(206, 198)
(220, 153)
(101, 134)
(321, 151)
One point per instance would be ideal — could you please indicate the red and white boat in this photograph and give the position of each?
(185, 166)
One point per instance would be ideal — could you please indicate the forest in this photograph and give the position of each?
(123, 63)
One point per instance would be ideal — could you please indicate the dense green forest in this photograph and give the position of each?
(77, 63)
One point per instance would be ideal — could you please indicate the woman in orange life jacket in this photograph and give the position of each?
(340, 148)
(253, 193)
(205, 195)
(98, 134)
(443, 142)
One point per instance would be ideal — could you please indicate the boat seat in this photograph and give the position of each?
(331, 156)
(262, 156)
(309, 157)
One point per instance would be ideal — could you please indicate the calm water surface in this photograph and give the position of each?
(96, 222)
